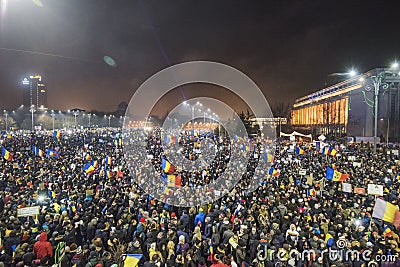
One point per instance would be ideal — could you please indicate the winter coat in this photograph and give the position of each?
(43, 248)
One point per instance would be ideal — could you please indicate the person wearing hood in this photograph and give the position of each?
(199, 217)
(43, 248)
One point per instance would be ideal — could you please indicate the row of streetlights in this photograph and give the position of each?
(205, 113)
(53, 114)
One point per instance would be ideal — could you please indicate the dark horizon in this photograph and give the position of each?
(287, 47)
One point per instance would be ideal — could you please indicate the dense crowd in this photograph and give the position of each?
(103, 214)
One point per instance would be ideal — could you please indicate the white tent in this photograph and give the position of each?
(297, 134)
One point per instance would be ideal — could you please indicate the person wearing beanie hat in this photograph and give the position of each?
(140, 229)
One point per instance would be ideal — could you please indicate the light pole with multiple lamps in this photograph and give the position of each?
(378, 82)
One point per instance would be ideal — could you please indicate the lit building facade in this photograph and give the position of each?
(34, 92)
(347, 108)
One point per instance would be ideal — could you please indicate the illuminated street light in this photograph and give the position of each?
(109, 120)
(378, 82)
(352, 73)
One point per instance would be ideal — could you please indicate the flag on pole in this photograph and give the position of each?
(87, 156)
(384, 210)
(300, 151)
(274, 172)
(37, 151)
(6, 154)
(166, 166)
(108, 160)
(52, 153)
(56, 134)
(95, 164)
(311, 192)
(88, 168)
(332, 151)
(336, 176)
(132, 260)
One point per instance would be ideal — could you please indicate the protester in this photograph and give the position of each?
(103, 214)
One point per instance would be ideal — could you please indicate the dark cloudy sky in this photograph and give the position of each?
(287, 47)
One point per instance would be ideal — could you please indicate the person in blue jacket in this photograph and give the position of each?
(199, 217)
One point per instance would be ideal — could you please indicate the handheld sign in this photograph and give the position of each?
(28, 211)
(374, 189)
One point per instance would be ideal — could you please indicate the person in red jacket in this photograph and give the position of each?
(43, 248)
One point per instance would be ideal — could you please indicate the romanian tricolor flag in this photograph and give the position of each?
(88, 168)
(37, 151)
(274, 172)
(174, 181)
(300, 151)
(108, 160)
(110, 174)
(52, 153)
(311, 192)
(6, 154)
(336, 176)
(87, 156)
(268, 157)
(387, 231)
(95, 164)
(56, 134)
(166, 166)
(384, 210)
(332, 151)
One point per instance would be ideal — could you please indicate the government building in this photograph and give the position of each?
(347, 108)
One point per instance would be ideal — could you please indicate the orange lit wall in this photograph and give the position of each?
(334, 112)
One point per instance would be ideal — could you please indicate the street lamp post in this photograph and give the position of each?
(378, 82)
(32, 110)
(109, 120)
(6, 114)
(52, 116)
(387, 131)
(75, 115)
(89, 116)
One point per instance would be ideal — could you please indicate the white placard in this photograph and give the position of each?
(303, 172)
(347, 187)
(395, 152)
(357, 164)
(374, 189)
(28, 211)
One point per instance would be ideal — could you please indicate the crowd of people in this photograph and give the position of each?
(103, 214)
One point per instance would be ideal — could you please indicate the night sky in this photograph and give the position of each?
(287, 47)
